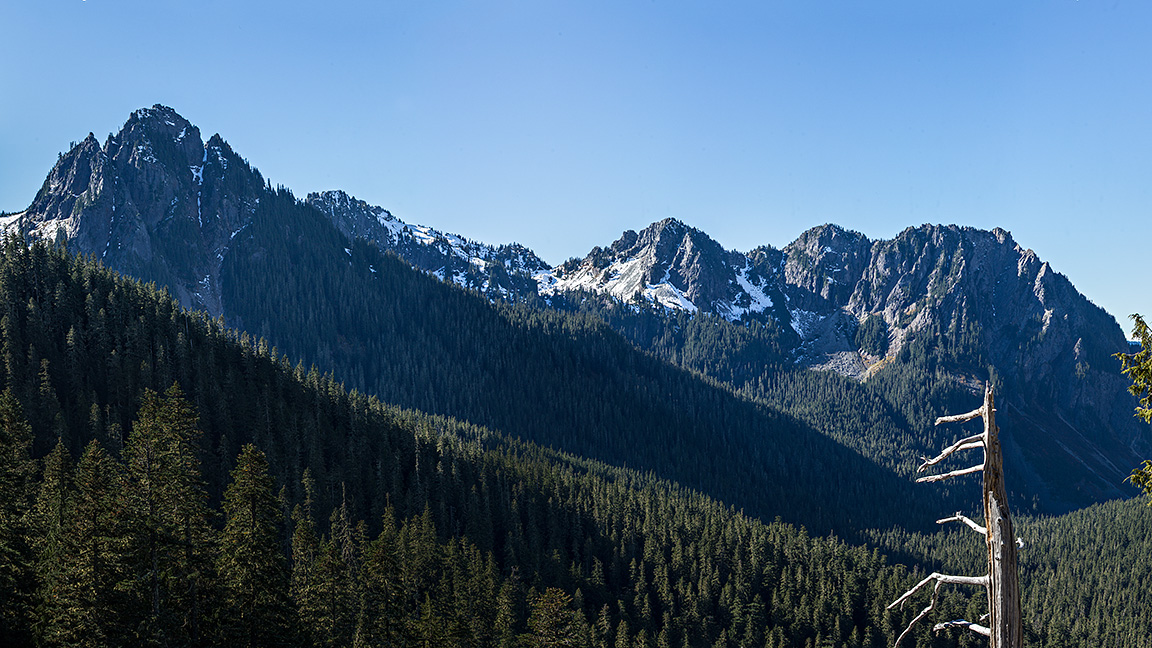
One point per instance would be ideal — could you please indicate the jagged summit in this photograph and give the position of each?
(155, 201)
(670, 264)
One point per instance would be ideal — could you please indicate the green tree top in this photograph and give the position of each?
(253, 571)
(1138, 367)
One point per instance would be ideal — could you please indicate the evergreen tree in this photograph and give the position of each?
(550, 623)
(168, 518)
(381, 620)
(50, 521)
(251, 568)
(336, 583)
(96, 550)
(17, 471)
(305, 554)
(1138, 366)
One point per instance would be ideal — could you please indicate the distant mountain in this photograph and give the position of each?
(504, 271)
(980, 304)
(154, 202)
(921, 319)
(677, 267)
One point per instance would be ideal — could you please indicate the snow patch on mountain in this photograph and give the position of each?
(623, 279)
(497, 271)
(669, 297)
(758, 299)
(9, 223)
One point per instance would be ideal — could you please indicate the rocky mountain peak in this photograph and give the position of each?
(155, 202)
(159, 135)
(669, 264)
(504, 271)
(824, 262)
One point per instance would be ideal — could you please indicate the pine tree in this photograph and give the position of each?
(252, 571)
(95, 548)
(16, 474)
(550, 623)
(381, 620)
(50, 520)
(165, 502)
(305, 554)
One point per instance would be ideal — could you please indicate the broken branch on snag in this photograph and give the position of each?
(960, 623)
(954, 473)
(978, 412)
(961, 518)
(940, 580)
(923, 613)
(974, 441)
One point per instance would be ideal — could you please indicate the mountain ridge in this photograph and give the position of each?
(159, 203)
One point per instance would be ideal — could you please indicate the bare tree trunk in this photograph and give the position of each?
(1005, 628)
(1003, 586)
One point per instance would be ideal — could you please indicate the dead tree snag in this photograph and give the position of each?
(1005, 625)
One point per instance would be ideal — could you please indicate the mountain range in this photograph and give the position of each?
(157, 202)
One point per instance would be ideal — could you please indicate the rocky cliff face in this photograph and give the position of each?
(155, 202)
(1051, 348)
(979, 303)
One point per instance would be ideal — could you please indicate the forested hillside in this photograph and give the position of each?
(415, 462)
(124, 511)
(561, 380)
(1082, 574)
(255, 502)
(887, 418)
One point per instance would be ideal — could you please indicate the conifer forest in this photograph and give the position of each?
(167, 480)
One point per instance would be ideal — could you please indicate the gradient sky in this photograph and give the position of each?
(561, 124)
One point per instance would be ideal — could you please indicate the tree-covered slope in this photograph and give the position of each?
(888, 417)
(561, 380)
(125, 510)
(1082, 574)
(470, 538)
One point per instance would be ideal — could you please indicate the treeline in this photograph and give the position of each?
(117, 551)
(260, 503)
(82, 348)
(888, 419)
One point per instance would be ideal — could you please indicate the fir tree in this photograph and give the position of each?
(96, 549)
(17, 471)
(381, 611)
(550, 623)
(165, 501)
(253, 574)
(50, 522)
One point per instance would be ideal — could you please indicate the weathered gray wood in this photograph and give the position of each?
(950, 475)
(1005, 628)
(940, 579)
(1005, 621)
(972, 442)
(974, 627)
(966, 520)
(957, 418)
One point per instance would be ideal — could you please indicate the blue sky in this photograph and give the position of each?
(560, 124)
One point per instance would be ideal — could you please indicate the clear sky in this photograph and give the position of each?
(560, 124)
